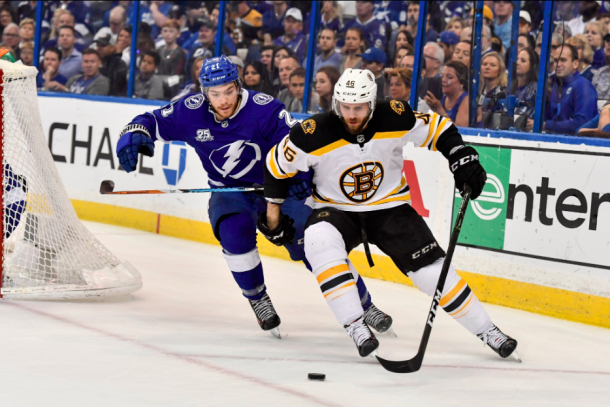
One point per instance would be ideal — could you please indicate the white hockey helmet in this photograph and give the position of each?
(355, 86)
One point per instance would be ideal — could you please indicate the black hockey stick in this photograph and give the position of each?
(107, 188)
(413, 365)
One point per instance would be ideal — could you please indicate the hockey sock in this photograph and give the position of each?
(457, 299)
(464, 306)
(340, 291)
(247, 271)
(237, 235)
(363, 292)
(325, 250)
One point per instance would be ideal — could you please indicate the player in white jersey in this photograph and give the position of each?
(360, 196)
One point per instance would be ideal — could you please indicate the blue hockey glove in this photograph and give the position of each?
(299, 189)
(134, 139)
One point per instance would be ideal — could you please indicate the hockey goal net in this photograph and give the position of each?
(47, 253)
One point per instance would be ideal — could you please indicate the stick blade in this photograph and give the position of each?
(106, 187)
(401, 366)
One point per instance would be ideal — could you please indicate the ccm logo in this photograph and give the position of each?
(463, 161)
(425, 250)
(435, 301)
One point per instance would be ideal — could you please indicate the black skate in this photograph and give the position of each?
(363, 337)
(500, 343)
(266, 316)
(378, 320)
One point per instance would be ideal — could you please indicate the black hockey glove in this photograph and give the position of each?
(466, 168)
(284, 232)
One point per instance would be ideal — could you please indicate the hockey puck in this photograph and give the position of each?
(316, 376)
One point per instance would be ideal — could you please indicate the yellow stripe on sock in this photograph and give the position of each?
(451, 294)
(331, 272)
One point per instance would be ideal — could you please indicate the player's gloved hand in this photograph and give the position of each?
(13, 180)
(466, 168)
(299, 189)
(284, 232)
(130, 144)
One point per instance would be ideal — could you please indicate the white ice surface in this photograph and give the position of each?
(189, 338)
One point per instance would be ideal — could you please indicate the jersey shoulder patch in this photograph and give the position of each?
(309, 126)
(317, 132)
(392, 115)
(262, 103)
(262, 99)
(397, 106)
(194, 101)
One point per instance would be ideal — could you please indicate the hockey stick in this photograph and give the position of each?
(413, 365)
(107, 188)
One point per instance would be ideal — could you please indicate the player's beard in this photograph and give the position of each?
(222, 117)
(355, 128)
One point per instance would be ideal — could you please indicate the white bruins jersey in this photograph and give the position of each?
(358, 173)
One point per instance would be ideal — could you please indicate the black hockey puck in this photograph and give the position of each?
(316, 376)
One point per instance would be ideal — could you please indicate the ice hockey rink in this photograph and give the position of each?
(189, 338)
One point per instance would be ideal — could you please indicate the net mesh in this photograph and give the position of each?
(46, 252)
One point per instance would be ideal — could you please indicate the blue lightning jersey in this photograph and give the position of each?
(232, 151)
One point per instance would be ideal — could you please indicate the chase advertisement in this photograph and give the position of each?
(82, 136)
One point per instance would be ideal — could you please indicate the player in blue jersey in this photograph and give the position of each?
(232, 130)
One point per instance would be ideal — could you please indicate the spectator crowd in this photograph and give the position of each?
(86, 49)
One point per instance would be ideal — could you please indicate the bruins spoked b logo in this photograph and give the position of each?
(397, 106)
(309, 126)
(360, 182)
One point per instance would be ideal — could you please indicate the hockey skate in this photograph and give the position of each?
(500, 343)
(363, 337)
(379, 320)
(266, 316)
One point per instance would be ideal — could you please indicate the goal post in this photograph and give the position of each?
(47, 253)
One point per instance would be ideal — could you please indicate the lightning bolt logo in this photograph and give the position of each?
(233, 153)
